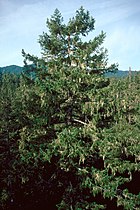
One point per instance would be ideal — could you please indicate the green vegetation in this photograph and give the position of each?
(18, 70)
(11, 69)
(69, 136)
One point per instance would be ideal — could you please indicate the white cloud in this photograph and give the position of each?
(112, 11)
(123, 45)
(20, 29)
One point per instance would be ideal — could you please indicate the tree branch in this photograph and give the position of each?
(79, 121)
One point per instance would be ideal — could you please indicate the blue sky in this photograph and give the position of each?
(21, 23)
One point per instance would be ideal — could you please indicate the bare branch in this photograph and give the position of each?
(79, 121)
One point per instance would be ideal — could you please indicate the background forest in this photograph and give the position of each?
(69, 136)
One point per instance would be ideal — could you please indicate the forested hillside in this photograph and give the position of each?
(69, 136)
(18, 70)
(11, 69)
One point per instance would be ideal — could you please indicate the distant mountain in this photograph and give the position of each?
(18, 69)
(11, 69)
(120, 73)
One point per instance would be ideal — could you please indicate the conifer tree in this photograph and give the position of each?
(63, 44)
(8, 135)
(68, 84)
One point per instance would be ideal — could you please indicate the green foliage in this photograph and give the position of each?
(11, 69)
(69, 136)
(63, 45)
